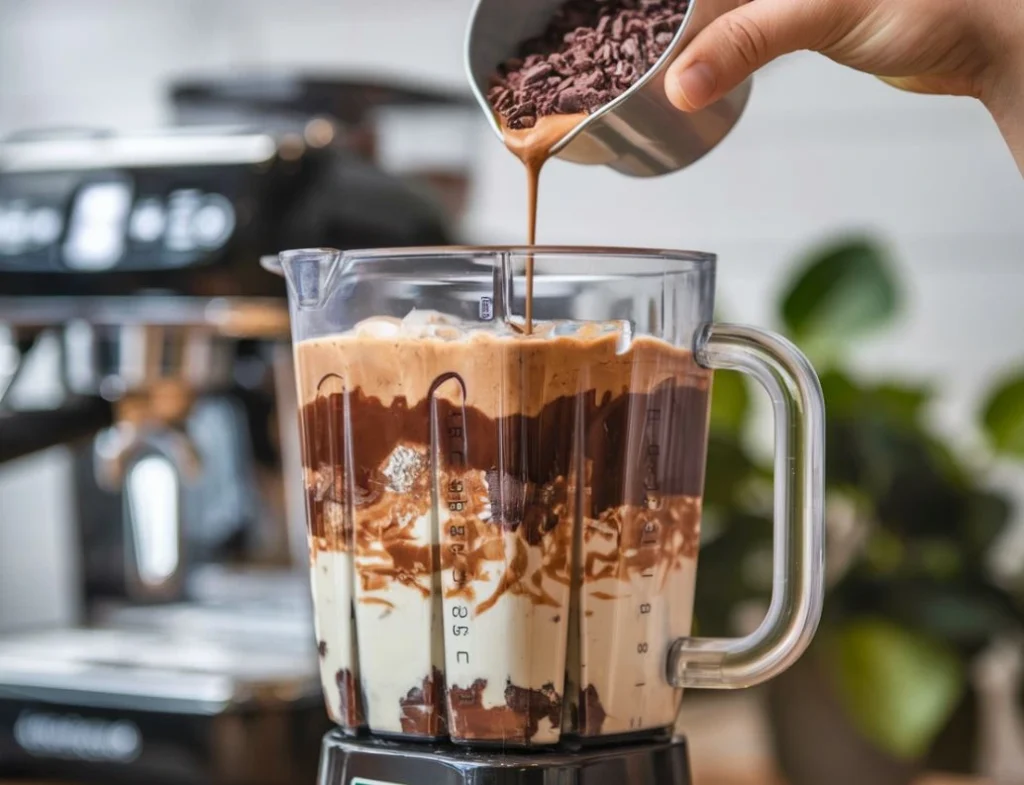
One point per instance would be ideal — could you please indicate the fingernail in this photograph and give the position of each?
(697, 84)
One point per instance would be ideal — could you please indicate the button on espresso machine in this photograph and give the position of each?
(131, 263)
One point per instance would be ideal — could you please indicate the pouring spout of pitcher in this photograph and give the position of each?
(308, 273)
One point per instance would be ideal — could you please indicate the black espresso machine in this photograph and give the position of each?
(136, 258)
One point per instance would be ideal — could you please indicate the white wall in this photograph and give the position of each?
(820, 150)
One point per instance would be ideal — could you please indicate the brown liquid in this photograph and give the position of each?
(351, 708)
(542, 437)
(516, 722)
(420, 708)
(533, 147)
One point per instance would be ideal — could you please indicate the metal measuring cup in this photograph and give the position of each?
(639, 133)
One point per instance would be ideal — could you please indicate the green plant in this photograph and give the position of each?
(910, 521)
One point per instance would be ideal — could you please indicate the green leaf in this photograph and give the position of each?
(843, 398)
(899, 687)
(721, 583)
(987, 516)
(965, 613)
(884, 553)
(729, 469)
(842, 293)
(1003, 417)
(730, 402)
(901, 402)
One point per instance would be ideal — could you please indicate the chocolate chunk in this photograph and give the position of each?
(537, 73)
(322, 648)
(508, 495)
(501, 98)
(589, 55)
(625, 73)
(583, 63)
(522, 116)
(591, 713)
(349, 700)
(560, 65)
(516, 722)
(636, 27)
(571, 101)
(423, 710)
(516, 502)
(534, 704)
(659, 26)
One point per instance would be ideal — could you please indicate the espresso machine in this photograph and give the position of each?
(134, 259)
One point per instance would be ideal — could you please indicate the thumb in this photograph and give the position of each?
(739, 42)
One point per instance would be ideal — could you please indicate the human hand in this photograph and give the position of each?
(954, 47)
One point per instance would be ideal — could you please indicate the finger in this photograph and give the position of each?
(736, 44)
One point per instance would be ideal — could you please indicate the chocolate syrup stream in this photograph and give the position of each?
(533, 147)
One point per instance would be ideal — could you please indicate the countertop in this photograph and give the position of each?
(728, 746)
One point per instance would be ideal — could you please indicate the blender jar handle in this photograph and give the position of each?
(799, 529)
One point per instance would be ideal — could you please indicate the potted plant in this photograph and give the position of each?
(884, 690)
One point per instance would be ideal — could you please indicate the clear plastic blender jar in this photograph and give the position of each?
(504, 526)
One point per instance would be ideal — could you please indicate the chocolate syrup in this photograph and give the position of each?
(533, 147)
(519, 454)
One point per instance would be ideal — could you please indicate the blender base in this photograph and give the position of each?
(350, 761)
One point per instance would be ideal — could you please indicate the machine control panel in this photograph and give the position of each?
(110, 221)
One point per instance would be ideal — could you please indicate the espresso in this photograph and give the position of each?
(502, 512)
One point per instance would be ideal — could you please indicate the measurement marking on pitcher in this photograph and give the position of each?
(651, 534)
(457, 500)
(652, 488)
(486, 309)
(650, 538)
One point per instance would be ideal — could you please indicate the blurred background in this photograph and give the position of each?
(880, 230)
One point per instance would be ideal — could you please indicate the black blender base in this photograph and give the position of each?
(348, 761)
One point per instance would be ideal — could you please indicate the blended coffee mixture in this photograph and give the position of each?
(589, 55)
(565, 469)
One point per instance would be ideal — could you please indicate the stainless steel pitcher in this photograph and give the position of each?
(639, 133)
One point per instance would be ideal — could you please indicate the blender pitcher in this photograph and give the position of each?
(504, 526)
